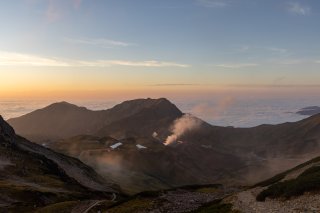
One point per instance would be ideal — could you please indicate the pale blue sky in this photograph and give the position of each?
(146, 43)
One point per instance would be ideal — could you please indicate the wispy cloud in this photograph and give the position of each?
(152, 63)
(212, 3)
(298, 9)
(102, 42)
(275, 86)
(237, 65)
(173, 85)
(18, 59)
(295, 61)
(272, 49)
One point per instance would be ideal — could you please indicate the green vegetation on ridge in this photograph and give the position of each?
(308, 181)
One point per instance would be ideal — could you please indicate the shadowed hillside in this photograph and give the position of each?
(62, 120)
(295, 190)
(32, 176)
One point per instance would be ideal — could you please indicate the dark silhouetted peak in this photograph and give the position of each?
(312, 110)
(161, 105)
(63, 105)
(5, 128)
(62, 120)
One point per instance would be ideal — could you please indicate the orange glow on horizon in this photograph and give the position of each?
(131, 92)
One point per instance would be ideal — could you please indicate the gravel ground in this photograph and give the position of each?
(179, 201)
(183, 201)
(245, 202)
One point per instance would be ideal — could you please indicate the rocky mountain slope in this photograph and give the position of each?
(32, 176)
(200, 153)
(140, 164)
(62, 120)
(295, 190)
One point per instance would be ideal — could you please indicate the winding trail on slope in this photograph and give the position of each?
(86, 206)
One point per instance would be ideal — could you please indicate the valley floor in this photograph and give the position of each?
(180, 200)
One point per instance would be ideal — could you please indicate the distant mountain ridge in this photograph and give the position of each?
(312, 110)
(207, 154)
(62, 120)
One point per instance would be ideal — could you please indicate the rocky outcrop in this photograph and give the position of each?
(6, 131)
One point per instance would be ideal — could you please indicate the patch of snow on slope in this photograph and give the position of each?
(140, 146)
(114, 146)
(154, 134)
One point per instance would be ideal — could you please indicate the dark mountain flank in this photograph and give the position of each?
(32, 176)
(62, 120)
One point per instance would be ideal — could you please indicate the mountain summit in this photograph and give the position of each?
(62, 120)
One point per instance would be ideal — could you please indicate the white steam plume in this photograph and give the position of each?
(181, 126)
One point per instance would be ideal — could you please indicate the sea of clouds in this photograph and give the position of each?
(220, 111)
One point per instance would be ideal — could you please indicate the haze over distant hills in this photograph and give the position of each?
(201, 153)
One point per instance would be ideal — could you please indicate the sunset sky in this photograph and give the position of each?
(109, 48)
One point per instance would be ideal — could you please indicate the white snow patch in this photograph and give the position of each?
(114, 146)
(140, 146)
(154, 134)
(206, 146)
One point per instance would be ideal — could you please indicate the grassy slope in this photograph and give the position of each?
(307, 181)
